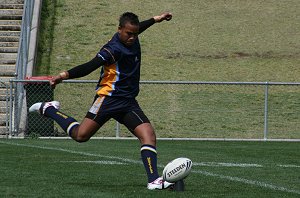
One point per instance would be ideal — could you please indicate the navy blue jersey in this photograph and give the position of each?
(120, 75)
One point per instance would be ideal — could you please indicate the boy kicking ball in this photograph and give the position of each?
(117, 88)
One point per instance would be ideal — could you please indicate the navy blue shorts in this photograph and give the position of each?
(125, 110)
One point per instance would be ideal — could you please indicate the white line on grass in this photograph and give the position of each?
(288, 166)
(74, 152)
(219, 164)
(246, 181)
(97, 162)
(236, 179)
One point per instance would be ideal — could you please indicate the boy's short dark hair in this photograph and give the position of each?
(128, 17)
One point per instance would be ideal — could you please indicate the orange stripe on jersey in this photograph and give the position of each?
(109, 78)
(97, 105)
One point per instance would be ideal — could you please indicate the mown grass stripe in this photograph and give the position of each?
(230, 178)
(246, 181)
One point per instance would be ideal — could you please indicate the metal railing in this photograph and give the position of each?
(22, 58)
(266, 93)
(180, 109)
(17, 90)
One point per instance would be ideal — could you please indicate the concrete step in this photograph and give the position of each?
(3, 92)
(10, 17)
(10, 22)
(9, 38)
(6, 73)
(11, 6)
(11, 1)
(11, 12)
(3, 132)
(4, 95)
(6, 79)
(10, 27)
(4, 107)
(8, 67)
(7, 70)
(9, 44)
(3, 119)
(8, 49)
(3, 98)
(10, 33)
(8, 56)
(4, 85)
(9, 62)
(3, 104)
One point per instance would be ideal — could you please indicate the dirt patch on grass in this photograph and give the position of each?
(268, 54)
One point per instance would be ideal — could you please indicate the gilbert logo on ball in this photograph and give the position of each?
(177, 169)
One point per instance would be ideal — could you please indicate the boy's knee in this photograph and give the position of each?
(81, 138)
(81, 134)
(145, 134)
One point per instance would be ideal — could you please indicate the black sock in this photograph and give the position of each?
(149, 158)
(65, 122)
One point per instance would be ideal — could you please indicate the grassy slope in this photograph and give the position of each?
(232, 41)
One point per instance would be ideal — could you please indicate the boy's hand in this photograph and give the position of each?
(164, 16)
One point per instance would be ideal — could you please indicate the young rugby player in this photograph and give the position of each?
(116, 91)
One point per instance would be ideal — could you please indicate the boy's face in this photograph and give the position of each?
(128, 34)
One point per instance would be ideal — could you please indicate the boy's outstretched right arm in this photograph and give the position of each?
(78, 71)
(156, 19)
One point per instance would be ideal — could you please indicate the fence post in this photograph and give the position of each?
(10, 107)
(266, 112)
(117, 129)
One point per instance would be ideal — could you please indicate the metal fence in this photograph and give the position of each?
(16, 90)
(4, 109)
(23, 50)
(224, 110)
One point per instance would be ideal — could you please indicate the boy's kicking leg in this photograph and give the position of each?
(136, 121)
(79, 132)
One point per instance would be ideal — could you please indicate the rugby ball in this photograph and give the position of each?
(177, 169)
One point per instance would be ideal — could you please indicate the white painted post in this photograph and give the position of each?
(117, 129)
(266, 112)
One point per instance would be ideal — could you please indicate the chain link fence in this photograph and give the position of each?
(176, 109)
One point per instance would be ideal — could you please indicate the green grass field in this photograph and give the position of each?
(234, 40)
(112, 168)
